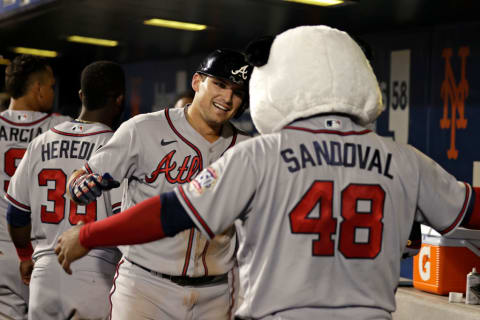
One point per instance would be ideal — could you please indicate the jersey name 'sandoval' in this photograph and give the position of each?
(334, 153)
(17, 129)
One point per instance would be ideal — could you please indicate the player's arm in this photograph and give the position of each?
(150, 220)
(19, 228)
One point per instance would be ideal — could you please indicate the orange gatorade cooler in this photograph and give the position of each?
(443, 263)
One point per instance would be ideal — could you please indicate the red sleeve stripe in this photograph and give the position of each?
(195, 212)
(462, 212)
(16, 203)
(474, 221)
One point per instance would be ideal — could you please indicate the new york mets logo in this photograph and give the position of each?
(456, 95)
(167, 166)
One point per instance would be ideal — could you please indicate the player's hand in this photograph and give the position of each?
(69, 249)
(87, 187)
(26, 268)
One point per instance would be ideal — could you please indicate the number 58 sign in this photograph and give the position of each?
(399, 95)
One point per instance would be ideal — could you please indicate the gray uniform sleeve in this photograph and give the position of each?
(119, 156)
(221, 193)
(442, 199)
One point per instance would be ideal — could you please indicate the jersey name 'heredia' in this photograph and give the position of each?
(335, 153)
(67, 149)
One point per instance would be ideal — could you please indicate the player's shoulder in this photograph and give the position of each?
(25, 118)
(241, 135)
(146, 118)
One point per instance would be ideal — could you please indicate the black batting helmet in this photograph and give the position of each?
(228, 65)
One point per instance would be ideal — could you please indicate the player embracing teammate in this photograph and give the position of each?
(189, 275)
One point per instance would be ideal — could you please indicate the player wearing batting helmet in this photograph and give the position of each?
(189, 275)
(326, 205)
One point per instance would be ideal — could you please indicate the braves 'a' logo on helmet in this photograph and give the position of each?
(242, 71)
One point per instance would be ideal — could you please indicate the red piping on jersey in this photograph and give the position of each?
(89, 170)
(234, 140)
(460, 215)
(232, 294)
(204, 253)
(79, 134)
(189, 251)
(340, 133)
(117, 273)
(191, 145)
(15, 202)
(199, 154)
(26, 124)
(195, 212)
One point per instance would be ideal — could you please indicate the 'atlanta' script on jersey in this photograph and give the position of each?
(189, 168)
(335, 153)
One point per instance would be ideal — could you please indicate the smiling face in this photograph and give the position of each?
(216, 100)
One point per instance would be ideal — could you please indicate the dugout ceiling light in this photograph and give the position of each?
(323, 3)
(94, 41)
(175, 24)
(35, 52)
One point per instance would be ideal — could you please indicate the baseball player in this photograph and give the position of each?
(326, 205)
(187, 276)
(30, 82)
(39, 206)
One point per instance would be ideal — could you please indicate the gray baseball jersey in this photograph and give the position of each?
(156, 152)
(326, 209)
(17, 129)
(40, 184)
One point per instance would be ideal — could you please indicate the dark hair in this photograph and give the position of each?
(18, 74)
(101, 81)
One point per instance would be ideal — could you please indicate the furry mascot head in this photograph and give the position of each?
(310, 70)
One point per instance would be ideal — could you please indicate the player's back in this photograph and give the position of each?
(17, 129)
(332, 211)
(40, 186)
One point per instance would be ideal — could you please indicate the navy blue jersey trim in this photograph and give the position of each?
(18, 218)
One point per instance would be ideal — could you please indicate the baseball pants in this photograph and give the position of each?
(13, 293)
(138, 294)
(56, 295)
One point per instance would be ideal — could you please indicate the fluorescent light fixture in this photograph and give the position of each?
(175, 24)
(323, 3)
(94, 41)
(35, 52)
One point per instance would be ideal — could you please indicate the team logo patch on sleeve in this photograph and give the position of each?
(206, 179)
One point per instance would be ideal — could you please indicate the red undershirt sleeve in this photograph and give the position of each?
(138, 224)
